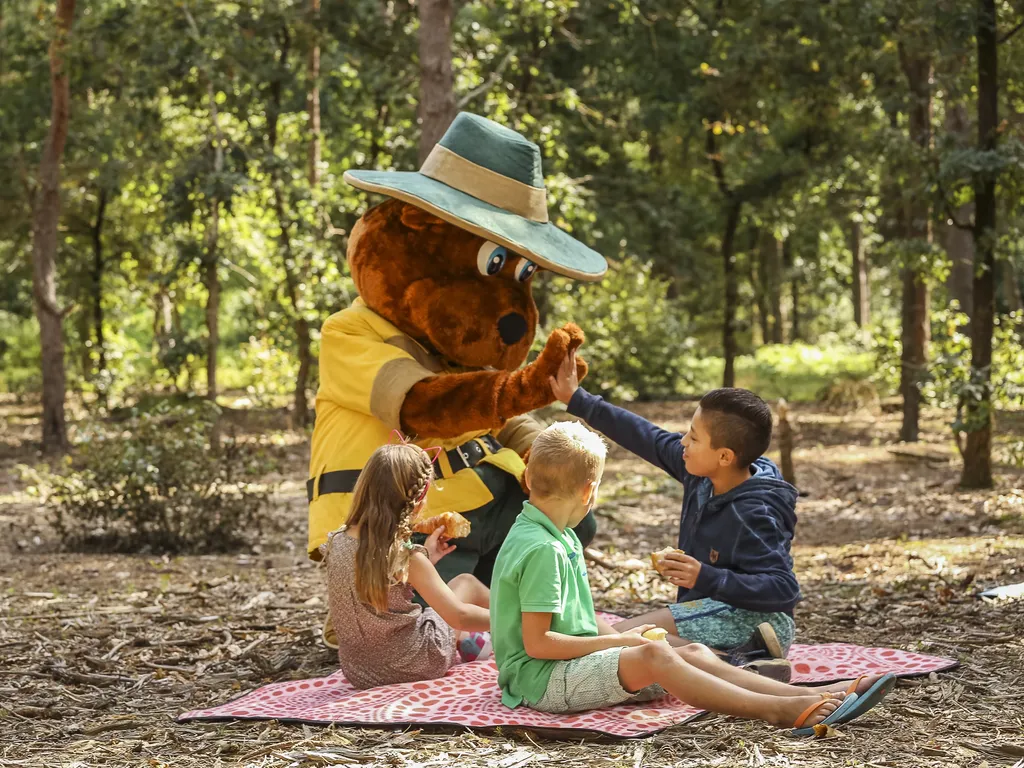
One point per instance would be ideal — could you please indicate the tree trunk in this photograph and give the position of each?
(313, 101)
(211, 277)
(759, 282)
(915, 344)
(97, 283)
(756, 312)
(211, 280)
(1011, 286)
(977, 454)
(301, 325)
(915, 331)
(437, 95)
(794, 289)
(958, 241)
(292, 269)
(861, 286)
(729, 325)
(786, 444)
(46, 217)
(771, 259)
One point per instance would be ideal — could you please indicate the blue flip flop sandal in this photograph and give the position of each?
(848, 703)
(872, 696)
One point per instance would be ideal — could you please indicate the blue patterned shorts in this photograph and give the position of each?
(721, 626)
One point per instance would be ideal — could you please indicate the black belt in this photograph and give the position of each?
(465, 456)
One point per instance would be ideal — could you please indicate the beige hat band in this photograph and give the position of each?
(484, 184)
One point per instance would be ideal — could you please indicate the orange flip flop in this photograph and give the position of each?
(837, 713)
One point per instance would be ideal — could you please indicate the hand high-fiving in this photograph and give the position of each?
(567, 381)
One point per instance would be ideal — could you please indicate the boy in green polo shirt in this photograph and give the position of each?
(555, 655)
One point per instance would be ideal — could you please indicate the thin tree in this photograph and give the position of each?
(97, 284)
(45, 219)
(437, 94)
(211, 256)
(977, 454)
(918, 225)
(861, 286)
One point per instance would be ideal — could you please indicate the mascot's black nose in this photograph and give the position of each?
(512, 327)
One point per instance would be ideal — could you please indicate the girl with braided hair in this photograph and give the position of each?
(373, 568)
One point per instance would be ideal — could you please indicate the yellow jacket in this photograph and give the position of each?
(367, 367)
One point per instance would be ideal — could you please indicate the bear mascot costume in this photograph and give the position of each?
(434, 344)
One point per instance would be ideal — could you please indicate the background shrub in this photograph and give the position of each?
(638, 344)
(156, 483)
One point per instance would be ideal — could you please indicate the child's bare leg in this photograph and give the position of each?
(640, 666)
(469, 589)
(842, 685)
(704, 658)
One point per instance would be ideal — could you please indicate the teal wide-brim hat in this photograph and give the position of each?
(487, 179)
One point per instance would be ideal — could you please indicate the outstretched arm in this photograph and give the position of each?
(650, 442)
(456, 403)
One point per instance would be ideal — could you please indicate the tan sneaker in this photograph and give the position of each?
(327, 633)
(774, 669)
(762, 641)
(770, 640)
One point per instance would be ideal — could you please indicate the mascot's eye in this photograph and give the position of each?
(524, 270)
(490, 259)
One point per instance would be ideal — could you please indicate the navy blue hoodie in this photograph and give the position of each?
(741, 538)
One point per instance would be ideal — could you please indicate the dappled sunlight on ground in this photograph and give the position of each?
(98, 653)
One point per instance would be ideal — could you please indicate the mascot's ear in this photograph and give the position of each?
(421, 221)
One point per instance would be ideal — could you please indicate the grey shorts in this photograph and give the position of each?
(590, 682)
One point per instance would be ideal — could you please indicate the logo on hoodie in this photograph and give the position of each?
(714, 556)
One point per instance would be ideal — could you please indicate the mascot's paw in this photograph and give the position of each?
(560, 343)
(581, 368)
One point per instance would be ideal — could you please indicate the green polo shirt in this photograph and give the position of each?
(539, 569)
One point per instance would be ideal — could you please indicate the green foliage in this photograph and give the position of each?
(948, 380)
(652, 118)
(800, 372)
(154, 483)
(19, 355)
(638, 342)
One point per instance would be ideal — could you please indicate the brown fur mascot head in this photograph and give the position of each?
(462, 296)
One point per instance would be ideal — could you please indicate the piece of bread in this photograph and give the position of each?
(656, 634)
(455, 525)
(659, 556)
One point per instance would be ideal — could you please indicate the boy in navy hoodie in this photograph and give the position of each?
(735, 576)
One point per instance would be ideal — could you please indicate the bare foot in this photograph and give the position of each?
(793, 706)
(866, 682)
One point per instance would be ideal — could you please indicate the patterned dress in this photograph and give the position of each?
(405, 644)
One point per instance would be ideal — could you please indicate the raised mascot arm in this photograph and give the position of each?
(453, 404)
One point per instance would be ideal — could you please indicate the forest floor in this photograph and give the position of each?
(99, 653)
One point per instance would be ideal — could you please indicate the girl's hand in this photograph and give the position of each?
(437, 546)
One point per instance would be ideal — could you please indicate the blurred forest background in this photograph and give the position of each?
(816, 199)
(820, 201)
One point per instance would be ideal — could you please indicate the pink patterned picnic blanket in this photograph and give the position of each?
(469, 696)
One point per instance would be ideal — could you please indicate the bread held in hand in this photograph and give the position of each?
(455, 525)
(658, 558)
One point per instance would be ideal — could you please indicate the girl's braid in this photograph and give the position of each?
(400, 553)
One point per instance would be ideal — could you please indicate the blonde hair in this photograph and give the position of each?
(393, 481)
(565, 458)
